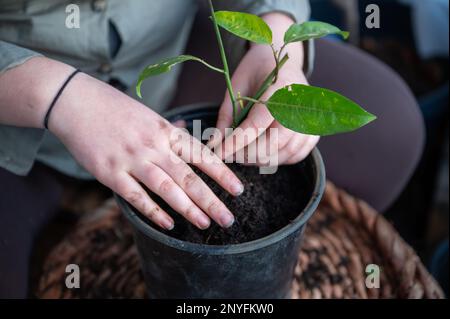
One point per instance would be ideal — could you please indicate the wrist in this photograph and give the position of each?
(51, 76)
(68, 111)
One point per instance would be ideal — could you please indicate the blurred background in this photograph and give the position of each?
(413, 40)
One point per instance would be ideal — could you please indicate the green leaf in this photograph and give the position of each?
(311, 30)
(244, 25)
(316, 111)
(165, 66)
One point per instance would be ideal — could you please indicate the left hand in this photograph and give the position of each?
(255, 66)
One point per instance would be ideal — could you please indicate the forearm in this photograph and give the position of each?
(26, 91)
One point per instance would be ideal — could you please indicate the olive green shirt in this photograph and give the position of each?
(115, 40)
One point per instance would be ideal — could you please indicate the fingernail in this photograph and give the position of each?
(226, 220)
(168, 224)
(203, 222)
(237, 189)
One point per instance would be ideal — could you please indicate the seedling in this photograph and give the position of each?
(301, 108)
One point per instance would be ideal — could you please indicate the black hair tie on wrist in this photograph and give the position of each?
(55, 99)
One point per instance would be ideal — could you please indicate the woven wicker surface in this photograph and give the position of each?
(342, 238)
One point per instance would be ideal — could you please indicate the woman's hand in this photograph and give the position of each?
(125, 145)
(259, 61)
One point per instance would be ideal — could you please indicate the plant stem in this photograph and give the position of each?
(225, 63)
(266, 84)
(277, 63)
(249, 99)
(219, 70)
(281, 51)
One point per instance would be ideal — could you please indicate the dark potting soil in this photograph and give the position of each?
(268, 203)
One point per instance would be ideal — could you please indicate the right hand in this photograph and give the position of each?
(123, 143)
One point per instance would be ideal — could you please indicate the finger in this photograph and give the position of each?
(225, 116)
(165, 187)
(305, 150)
(199, 192)
(258, 120)
(292, 148)
(192, 151)
(265, 149)
(274, 139)
(130, 190)
(284, 135)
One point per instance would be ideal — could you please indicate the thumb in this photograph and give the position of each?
(224, 120)
(225, 116)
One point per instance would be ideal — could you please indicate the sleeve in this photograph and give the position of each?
(12, 55)
(298, 10)
(19, 146)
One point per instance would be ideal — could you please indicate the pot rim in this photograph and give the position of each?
(300, 220)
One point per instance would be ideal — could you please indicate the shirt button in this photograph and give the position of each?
(105, 68)
(99, 5)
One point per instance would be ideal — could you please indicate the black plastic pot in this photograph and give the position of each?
(261, 268)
